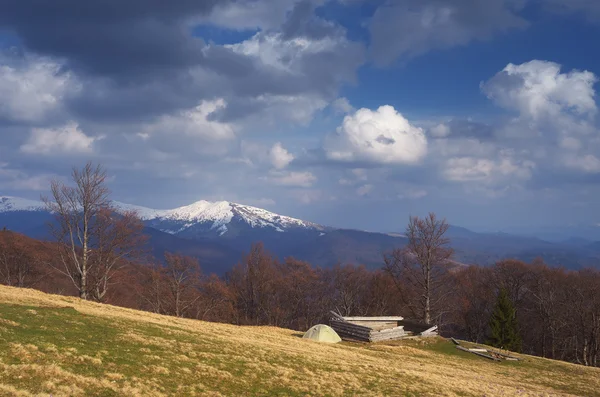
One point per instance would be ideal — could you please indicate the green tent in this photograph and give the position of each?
(322, 333)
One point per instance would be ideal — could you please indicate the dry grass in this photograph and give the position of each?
(61, 346)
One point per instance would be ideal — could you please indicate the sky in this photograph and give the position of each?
(349, 113)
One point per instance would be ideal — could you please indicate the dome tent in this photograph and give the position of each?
(322, 333)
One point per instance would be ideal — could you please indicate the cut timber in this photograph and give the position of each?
(478, 353)
(478, 350)
(505, 356)
(388, 319)
(337, 316)
(455, 341)
(430, 330)
(360, 332)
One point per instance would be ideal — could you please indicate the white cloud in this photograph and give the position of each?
(556, 112)
(19, 180)
(342, 105)
(383, 136)
(364, 190)
(440, 131)
(194, 123)
(32, 88)
(66, 139)
(472, 169)
(280, 157)
(537, 89)
(587, 163)
(304, 64)
(413, 194)
(297, 179)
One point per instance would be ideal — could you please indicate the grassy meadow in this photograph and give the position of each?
(53, 345)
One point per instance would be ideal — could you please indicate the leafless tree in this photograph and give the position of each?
(18, 266)
(92, 239)
(423, 263)
(118, 239)
(182, 278)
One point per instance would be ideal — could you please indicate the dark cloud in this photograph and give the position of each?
(408, 28)
(113, 37)
(303, 22)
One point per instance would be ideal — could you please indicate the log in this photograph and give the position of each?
(455, 341)
(477, 353)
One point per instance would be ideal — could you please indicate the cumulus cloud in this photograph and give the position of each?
(66, 139)
(440, 131)
(556, 113)
(418, 26)
(342, 105)
(537, 89)
(382, 136)
(18, 180)
(588, 163)
(32, 88)
(190, 131)
(469, 169)
(280, 157)
(195, 123)
(364, 190)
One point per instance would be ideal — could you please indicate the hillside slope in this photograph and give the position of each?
(61, 346)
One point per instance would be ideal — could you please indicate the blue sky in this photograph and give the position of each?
(351, 113)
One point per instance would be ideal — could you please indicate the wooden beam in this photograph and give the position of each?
(455, 341)
(383, 318)
(506, 356)
(354, 326)
(337, 316)
(478, 353)
(429, 330)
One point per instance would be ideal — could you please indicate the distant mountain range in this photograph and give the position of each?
(218, 233)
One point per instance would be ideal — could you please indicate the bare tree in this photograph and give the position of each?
(92, 240)
(117, 240)
(18, 265)
(423, 263)
(182, 279)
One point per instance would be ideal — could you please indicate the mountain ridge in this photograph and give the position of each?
(217, 233)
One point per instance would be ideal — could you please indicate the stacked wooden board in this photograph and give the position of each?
(368, 329)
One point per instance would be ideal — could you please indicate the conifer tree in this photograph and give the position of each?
(503, 324)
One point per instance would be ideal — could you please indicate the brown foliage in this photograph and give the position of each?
(423, 264)
(93, 242)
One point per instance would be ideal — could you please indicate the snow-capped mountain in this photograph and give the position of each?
(12, 204)
(219, 217)
(202, 217)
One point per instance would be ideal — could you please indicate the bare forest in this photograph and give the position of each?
(98, 255)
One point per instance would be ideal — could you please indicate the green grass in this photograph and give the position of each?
(52, 345)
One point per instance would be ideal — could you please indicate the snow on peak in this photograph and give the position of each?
(219, 214)
(257, 217)
(9, 204)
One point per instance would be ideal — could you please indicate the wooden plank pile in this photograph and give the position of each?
(486, 353)
(374, 329)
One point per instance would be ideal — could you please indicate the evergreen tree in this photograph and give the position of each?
(503, 324)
